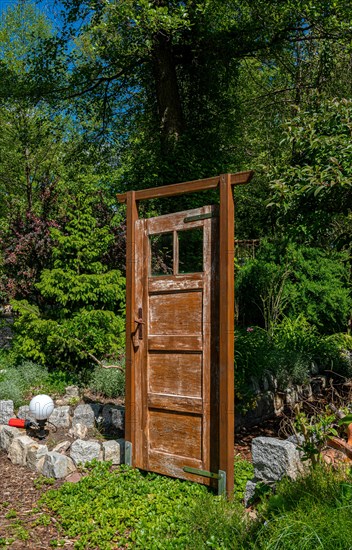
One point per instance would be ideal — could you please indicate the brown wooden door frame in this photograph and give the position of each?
(226, 307)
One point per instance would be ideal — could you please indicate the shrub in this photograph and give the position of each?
(79, 317)
(244, 471)
(19, 382)
(290, 280)
(107, 382)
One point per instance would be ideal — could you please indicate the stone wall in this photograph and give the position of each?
(270, 401)
(82, 426)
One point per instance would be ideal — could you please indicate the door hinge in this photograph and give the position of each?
(220, 476)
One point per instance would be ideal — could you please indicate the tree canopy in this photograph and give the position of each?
(125, 95)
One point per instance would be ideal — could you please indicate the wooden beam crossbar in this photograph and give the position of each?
(240, 178)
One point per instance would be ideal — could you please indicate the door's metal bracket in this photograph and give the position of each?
(200, 217)
(221, 476)
(128, 453)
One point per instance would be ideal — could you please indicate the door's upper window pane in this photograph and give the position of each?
(190, 250)
(161, 251)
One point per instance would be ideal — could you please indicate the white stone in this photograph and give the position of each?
(78, 431)
(85, 451)
(62, 447)
(18, 449)
(7, 434)
(60, 417)
(35, 456)
(6, 411)
(72, 391)
(249, 491)
(273, 459)
(57, 465)
(114, 450)
(84, 414)
(24, 412)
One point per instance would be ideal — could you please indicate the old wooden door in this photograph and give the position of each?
(175, 344)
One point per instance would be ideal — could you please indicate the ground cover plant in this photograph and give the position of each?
(129, 509)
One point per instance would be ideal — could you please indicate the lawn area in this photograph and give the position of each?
(123, 508)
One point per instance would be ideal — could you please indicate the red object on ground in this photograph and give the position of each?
(19, 423)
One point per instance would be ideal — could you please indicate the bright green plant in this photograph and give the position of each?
(312, 512)
(243, 472)
(315, 432)
(80, 319)
(289, 280)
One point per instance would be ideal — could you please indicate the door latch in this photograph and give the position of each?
(138, 333)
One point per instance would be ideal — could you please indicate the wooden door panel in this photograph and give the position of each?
(175, 374)
(176, 433)
(175, 313)
(175, 403)
(175, 343)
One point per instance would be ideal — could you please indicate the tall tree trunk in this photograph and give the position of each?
(166, 87)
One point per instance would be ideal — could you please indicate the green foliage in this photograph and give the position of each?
(243, 472)
(286, 279)
(19, 382)
(82, 300)
(125, 507)
(288, 354)
(128, 508)
(315, 430)
(312, 512)
(314, 184)
(107, 382)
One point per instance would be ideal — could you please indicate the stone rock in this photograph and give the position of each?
(307, 392)
(114, 450)
(60, 417)
(84, 414)
(57, 465)
(296, 439)
(72, 392)
(318, 383)
(274, 458)
(62, 447)
(255, 385)
(78, 431)
(279, 403)
(6, 411)
(114, 417)
(23, 412)
(18, 449)
(85, 451)
(249, 491)
(314, 369)
(74, 478)
(291, 397)
(7, 434)
(35, 456)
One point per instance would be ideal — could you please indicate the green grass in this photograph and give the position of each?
(129, 509)
(313, 512)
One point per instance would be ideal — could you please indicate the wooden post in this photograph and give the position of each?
(132, 216)
(226, 344)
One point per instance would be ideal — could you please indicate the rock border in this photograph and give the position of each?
(64, 459)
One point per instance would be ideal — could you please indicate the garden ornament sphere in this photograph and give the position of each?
(41, 407)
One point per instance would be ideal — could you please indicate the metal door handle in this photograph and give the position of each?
(140, 324)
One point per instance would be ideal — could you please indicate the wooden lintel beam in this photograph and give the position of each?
(240, 178)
